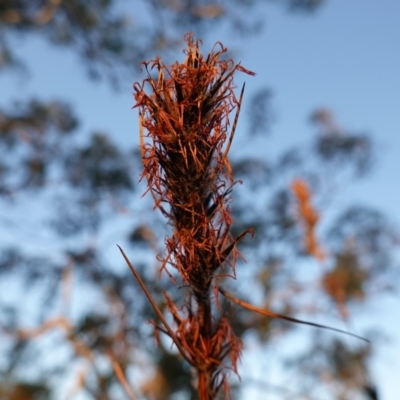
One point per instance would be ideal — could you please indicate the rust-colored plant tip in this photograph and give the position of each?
(186, 116)
(309, 217)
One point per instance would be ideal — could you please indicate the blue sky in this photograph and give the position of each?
(346, 57)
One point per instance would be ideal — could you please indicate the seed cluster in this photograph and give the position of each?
(186, 117)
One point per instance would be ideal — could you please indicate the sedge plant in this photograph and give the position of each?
(185, 111)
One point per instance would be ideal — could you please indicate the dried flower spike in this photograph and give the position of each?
(186, 116)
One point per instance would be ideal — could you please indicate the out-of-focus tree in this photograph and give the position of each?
(87, 189)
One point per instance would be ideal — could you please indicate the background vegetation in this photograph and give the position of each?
(72, 318)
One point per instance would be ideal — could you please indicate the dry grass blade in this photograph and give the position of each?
(155, 307)
(142, 152)
(269, 313)
(122, 379)
(235, 121)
